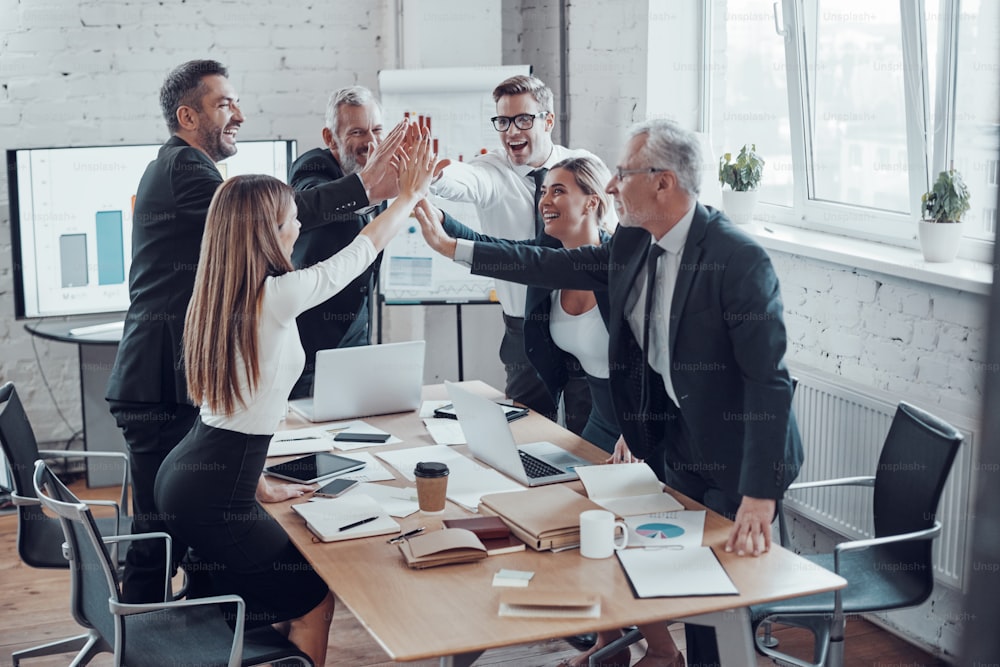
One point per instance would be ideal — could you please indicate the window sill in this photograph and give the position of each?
(961, 274)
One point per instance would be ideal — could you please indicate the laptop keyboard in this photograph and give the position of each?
(536, 468)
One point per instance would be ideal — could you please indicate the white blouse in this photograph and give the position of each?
(281, 355)
(585, 336)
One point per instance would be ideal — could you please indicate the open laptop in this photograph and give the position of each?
(354, 382)
(491, 441)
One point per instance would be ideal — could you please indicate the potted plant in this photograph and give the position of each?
(940, 229)
(742, 177)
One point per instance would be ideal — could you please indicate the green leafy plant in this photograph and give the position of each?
(948, 200)
(745, 173)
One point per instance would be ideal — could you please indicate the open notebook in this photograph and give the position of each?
(347, 517)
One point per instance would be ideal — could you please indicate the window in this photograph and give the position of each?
(857, 105)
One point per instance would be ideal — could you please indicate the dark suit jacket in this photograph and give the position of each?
(548, 359)
(325, 326)
(169, 218)
(727, 347)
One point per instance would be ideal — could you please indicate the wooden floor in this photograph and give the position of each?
(34, 609)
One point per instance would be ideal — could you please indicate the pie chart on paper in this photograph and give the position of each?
(659, 531)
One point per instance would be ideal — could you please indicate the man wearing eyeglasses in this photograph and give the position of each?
(697, 339)
(503, 184)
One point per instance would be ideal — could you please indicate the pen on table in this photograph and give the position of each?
(357, 523)
(308, 437)
(400, 538)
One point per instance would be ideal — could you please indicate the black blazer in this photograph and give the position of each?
(727, 347)
(548, 359)
(325, 325)
(168, 220)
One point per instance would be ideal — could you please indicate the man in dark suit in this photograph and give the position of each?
(353, 128)
(703, 393)
(147, 390)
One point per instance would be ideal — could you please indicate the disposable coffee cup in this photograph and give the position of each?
(432, 486)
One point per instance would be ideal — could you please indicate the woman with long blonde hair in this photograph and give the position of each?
(242, 354)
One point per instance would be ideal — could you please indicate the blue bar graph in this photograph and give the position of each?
(110, 248)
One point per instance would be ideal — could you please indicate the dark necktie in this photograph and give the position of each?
(538, 175)
(647, 372)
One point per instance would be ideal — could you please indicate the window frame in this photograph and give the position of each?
(929, 149)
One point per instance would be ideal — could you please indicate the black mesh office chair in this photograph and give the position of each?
(39, 537)
(207, 631)
(894, 569)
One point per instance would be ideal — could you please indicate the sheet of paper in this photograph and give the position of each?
(691, 571)
(427, 408)
(373, 471)
(467, 480)
(445, 431)
(662, 529)
(396, 501)
(299, 441)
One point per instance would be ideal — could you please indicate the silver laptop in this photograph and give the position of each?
(491, 441)
(362, 381)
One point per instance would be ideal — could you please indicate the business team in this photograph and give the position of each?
(695, 334)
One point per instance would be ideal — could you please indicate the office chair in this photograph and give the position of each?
(39, 537)
(185, 632)
(894, 569)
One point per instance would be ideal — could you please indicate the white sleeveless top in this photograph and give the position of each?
(584, 336)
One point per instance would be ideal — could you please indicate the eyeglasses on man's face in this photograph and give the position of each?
(522, 121)
(620, 173)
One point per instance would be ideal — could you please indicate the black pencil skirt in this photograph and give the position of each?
(206, 492)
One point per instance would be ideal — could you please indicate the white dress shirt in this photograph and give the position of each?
(280, 354)
(667, 268)
(504, 195)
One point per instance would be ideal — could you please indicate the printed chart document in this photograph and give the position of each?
(373, 471)
(662, 529)
(672, 572)
(467, 480)
(627, 489)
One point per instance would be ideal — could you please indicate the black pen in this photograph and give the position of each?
(357, 523)
(400, 538)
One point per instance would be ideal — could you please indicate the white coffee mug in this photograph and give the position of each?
(597, 534)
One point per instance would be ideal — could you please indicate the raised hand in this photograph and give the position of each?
(379, 175)
(430, 218)
(416, 167)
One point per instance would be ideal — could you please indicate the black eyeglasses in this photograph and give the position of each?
(522, 121)
(620, 173)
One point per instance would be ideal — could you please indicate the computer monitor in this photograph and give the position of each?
(71, 220)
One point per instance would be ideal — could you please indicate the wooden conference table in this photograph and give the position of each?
(450, 612)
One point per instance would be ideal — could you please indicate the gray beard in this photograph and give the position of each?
(348, 163)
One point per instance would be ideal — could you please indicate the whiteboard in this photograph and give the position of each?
(457, 102)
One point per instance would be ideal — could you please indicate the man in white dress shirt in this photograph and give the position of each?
(502, 184)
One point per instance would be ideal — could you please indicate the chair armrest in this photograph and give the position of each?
(168, 545)
(840, 481)
(235, 653)
(859, 545)
(24, 501)
(126, 481)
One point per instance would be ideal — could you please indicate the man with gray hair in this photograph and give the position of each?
(353, 128)
(697, 340)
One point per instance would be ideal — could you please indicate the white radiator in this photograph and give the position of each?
(842, 433)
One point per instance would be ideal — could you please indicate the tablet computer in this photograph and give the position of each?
(314, 467)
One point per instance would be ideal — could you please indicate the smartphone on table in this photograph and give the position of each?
(335, 488)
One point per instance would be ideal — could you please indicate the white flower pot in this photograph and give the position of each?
(939, 240)
(739, 206)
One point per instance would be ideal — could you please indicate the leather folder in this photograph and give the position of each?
(544, 518)
(442, 547)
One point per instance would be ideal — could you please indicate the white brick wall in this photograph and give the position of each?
(86, 73)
